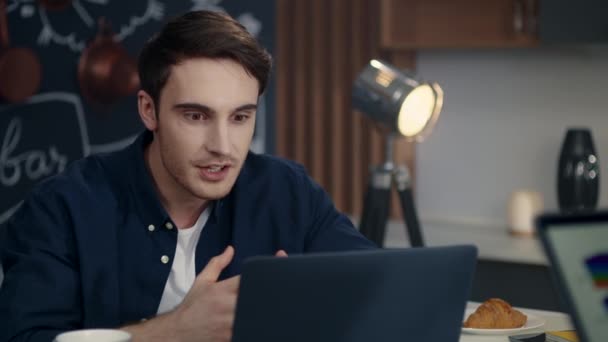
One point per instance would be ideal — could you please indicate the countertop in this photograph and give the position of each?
(494, 243)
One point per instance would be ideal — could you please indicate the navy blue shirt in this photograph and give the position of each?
(81, 251)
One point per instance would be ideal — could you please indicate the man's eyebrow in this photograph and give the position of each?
(206, 109)
(196, 106)
(247, 107)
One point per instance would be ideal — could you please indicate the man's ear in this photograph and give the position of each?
(147, 110)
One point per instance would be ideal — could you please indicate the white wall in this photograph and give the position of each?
(505, 115)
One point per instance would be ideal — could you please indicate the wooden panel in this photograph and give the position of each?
(301, 80)
(339, 91)
(465, 23)
(359, 53)
(283, 68)
(376, 141)
(320, 81)
(316, 64)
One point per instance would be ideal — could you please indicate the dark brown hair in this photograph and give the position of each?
(200, 34)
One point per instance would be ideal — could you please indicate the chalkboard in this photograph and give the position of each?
(42, 135)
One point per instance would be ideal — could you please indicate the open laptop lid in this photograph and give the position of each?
(414, 294)
(577, 247)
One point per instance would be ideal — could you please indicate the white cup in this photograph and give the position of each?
(94, 335)
(524, 206)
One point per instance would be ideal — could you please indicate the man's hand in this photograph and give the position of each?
(207, 311)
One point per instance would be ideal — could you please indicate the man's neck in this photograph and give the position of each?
(183, 208)
(185, 216)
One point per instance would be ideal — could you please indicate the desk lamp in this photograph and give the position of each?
(403, 108)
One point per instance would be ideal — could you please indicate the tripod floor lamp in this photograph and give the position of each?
(403, 107)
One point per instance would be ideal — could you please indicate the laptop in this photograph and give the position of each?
(577, 247)
(416, 294)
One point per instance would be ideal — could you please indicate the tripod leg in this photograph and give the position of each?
(376, 206)
(410, 215)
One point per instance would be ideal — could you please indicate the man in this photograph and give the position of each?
(151, 239)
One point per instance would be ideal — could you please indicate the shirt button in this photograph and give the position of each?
(164, 259)
(151, 227)
(169, 225)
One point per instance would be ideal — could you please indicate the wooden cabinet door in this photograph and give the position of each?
(413, 24)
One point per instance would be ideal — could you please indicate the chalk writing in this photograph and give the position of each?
(33, 164)
(155, 10)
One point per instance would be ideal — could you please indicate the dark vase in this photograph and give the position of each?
(578, 172)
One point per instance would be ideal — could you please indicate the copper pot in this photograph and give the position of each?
(20, 69)
(55, 5)
(105, 71)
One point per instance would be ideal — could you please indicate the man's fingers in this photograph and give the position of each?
(281, 253)
(227, 305)
(231, 284)
(224, 302)
(215, 266)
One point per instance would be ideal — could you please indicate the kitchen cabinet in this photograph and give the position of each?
(509, 267)
(566, 21)
(414, 24)
(520, 284)
(417, 24)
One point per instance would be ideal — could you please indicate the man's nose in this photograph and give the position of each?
(218, 141)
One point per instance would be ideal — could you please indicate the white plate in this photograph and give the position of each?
(533, 322)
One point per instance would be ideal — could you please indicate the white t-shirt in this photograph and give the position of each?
(183, 269)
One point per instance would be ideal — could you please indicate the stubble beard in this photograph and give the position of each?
(188, 181)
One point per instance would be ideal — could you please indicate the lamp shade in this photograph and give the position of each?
(397, 100)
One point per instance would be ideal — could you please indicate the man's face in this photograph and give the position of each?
(205, 123)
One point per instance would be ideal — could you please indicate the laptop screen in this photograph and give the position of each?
(580, 255)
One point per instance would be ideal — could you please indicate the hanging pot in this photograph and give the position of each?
(55, 5)
(105, 71)
(20, 69)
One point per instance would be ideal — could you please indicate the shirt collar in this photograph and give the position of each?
(146, 199)
(143, 191)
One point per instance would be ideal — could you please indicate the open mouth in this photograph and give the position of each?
(215, 168)
(214, 173)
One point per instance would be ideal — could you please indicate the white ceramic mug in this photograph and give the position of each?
(524, 206)
(94, 335)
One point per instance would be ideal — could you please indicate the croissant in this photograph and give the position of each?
(495, 313)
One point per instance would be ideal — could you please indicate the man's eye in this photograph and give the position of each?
(194, 116)
(240, 117)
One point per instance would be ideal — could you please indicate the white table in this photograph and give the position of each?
(554, 321)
